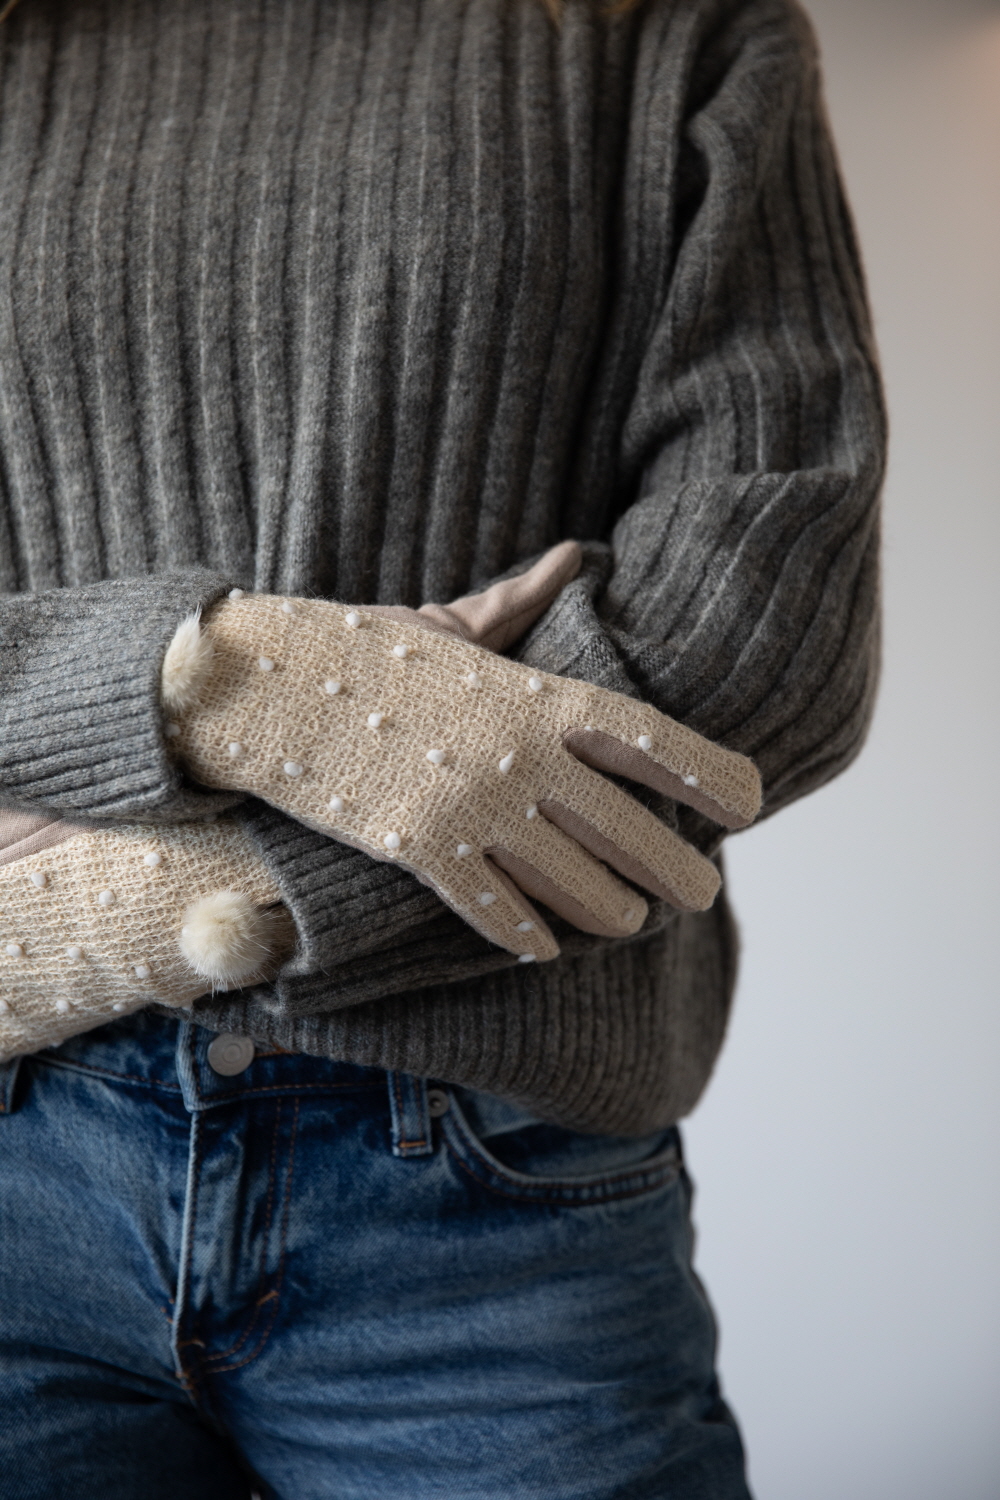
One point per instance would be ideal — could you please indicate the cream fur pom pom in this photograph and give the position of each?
(186, 666)
(227, 938)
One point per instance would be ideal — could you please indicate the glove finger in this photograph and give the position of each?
(467, 882)
(551, 866)
(631, 739)
(618, 830)
(485, 897)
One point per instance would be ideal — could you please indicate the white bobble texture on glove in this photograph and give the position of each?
(96, 922)
(478, 774)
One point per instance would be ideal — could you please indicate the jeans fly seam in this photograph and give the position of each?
(183, 1313)
(211, 1359)
(285, 1215)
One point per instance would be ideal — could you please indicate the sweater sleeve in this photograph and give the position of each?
(738, 589)
(728, 480)
(81, 728)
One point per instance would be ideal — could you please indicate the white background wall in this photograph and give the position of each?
(846, 1153)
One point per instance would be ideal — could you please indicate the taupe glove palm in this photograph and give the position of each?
(476, 773)
(99, 921)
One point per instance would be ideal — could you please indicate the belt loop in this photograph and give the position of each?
(411, 1121)
(8, 1082)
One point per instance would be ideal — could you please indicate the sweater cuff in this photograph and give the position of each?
(81, 728)
(365, 928)
(368, 930)
(570, 640)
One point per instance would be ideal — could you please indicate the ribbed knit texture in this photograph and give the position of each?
(372, 300)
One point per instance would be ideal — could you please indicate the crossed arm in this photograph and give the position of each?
(730, 526)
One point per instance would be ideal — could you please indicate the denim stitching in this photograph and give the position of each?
(286, 1088)
(75, 1067)
(403, 1145)
(188, 1378)
(192, 1376)
(274, 1296)
(264, 1088)
(262, 1279)
(568, 1195)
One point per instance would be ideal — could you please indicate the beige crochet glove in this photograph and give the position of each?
(95, 922)
(472, 771)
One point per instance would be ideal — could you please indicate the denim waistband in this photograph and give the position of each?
(168, 1059)
(148, 1051)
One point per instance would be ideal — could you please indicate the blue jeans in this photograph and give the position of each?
(312, 1279)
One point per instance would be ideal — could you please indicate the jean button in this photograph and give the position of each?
(230, 1054)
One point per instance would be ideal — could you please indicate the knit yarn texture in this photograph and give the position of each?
(451, 760)
(371, 301)
(91, 924)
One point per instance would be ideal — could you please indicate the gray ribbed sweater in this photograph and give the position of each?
(374, 300)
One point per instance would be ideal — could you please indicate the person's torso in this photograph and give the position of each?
(331, 296)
